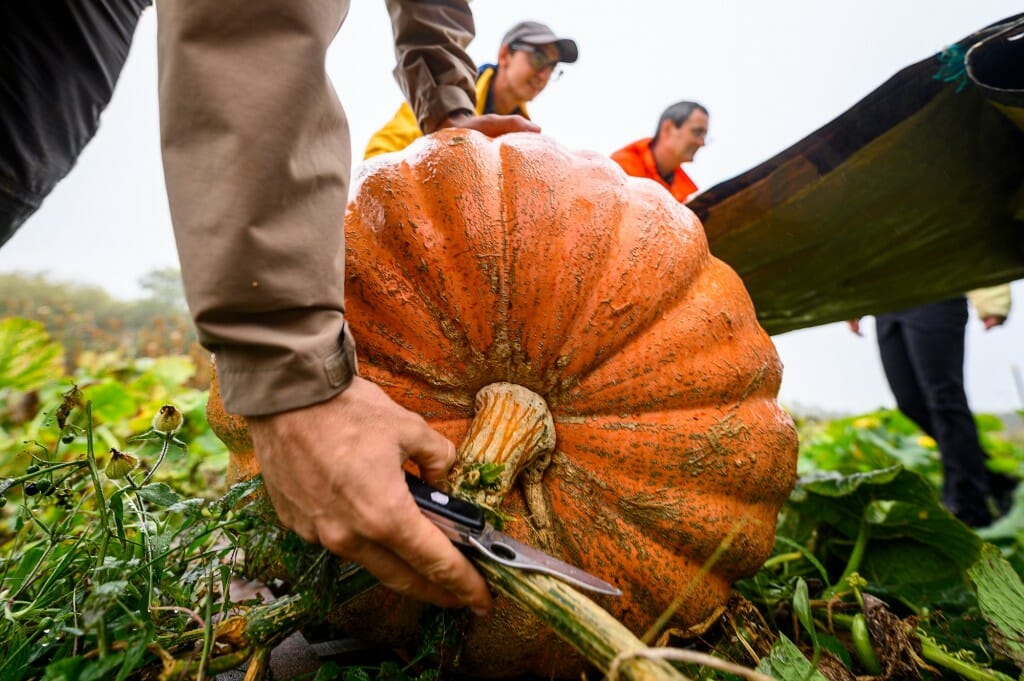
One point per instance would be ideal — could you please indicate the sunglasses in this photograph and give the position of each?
(538, 60)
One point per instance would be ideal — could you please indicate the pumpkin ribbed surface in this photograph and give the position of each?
(473, 261)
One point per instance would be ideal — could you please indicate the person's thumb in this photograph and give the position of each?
(432, 452)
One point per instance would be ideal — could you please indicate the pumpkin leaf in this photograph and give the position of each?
(931, 525)
(915, 573)
(916, 551)
(785, 662)
(170, 373)
(895, 501)
(1001, 599)
(29, 358)
(111, 401)
(834, 484)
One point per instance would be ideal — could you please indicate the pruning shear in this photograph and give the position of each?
(463, 522)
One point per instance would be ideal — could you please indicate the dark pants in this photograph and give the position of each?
(922, 352)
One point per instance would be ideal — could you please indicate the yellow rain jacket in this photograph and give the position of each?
(401, 130)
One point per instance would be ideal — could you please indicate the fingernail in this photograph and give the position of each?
(480, 611)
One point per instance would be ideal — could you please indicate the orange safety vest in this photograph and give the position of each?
(637, 160)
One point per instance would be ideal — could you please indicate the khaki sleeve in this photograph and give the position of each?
(992, 301)
(434, 71)
(256, 160)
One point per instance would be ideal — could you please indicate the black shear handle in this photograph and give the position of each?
(434, 500)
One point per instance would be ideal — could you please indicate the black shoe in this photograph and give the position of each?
(973, 516)
(1003, 489)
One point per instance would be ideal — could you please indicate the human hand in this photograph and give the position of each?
(334, 474)
(491, 125)
(854, 325)
(992, 321)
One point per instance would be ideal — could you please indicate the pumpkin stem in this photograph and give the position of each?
(541, 517)
(512, 429)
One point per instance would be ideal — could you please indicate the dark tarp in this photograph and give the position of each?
(914, 194)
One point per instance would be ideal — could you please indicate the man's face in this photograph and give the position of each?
(685, 140)
(528, 68)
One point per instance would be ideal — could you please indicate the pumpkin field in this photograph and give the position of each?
(120, 570)
(631, 431)
(577, 374)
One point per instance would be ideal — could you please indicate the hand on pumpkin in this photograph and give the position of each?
(334, 473)
(491, 125)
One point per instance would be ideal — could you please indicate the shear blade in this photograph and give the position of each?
(503, 549)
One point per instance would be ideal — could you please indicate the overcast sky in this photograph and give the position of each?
(769, 72)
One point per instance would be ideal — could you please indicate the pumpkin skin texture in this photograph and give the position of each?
(472, 261)
(233, 431)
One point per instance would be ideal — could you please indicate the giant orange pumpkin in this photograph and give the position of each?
(473, 262)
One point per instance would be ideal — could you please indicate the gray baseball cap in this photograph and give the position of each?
(536, 33)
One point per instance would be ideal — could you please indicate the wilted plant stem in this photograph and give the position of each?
(160, 459)
(933, 652)
(207, 627)
(101, 505)
(147, 546)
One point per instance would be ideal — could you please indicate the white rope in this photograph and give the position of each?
(680, 655)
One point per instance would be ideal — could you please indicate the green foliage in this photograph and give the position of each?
(481, 475)
(28, 358)
(96, 579)
(101, 577)
(900, 513)
(165, 287)
(86, 319)
(1001, 600)
(865, 518)
(95, 572)
(868, 442)
(125, 393)
(787, 663)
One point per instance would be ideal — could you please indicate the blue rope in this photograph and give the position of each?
(953, 67)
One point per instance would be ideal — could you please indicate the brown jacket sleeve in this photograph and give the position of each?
(434, 71)
(256, 160)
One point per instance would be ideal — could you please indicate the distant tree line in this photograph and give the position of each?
(85, 318)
